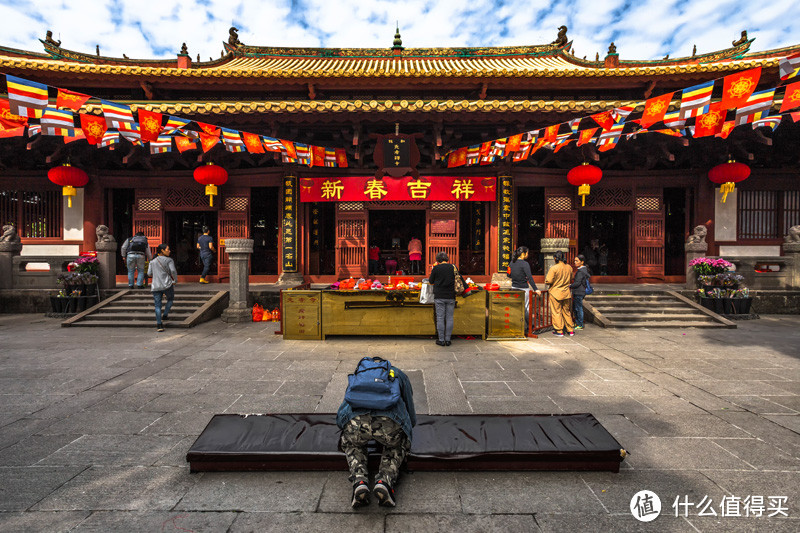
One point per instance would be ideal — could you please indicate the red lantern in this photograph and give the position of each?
(727, 175)
(68, 177)
(211, 175)
(584, 176)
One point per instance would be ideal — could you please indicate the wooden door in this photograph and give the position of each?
(351, 242)
(151, 223)
(442, 234)
(230, 225)
(561, 219)
(648, 236)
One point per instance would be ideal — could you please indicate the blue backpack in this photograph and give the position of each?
(373, 385)
(589, 288)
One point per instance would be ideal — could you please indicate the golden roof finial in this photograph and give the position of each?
(397, 44)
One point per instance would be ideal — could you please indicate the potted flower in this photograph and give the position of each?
(726, 301)
(704, 266)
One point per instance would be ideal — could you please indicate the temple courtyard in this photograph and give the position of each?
(95, 424)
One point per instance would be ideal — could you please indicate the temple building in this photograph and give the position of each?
(317, 223)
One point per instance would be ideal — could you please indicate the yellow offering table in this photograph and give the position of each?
(316, 314)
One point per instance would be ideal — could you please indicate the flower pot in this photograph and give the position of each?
(714, 304)
(57, 304)
(737, 306)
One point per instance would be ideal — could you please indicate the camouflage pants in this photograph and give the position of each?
(383, 430)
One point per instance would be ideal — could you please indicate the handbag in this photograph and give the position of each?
(589, 288)
(460, 288)
(426, 294)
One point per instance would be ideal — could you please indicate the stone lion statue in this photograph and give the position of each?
(794, 235)
(103, 235)
(698, 236)
(10, 234)
(561, 38)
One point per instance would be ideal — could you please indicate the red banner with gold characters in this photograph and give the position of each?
(371, 189)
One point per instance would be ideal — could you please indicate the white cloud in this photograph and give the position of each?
(647, 29)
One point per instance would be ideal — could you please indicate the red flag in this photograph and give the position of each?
(253, 143)
(791, 98)
(512, 145)
(71, 99)
(457, 158)
(795, 116)
(738, 88)
(5, 131)
(585, 135)
(710, 123)
(208, 141)
(185, 143)
(604, 119)
(654, 109)
(726, 130)
(93, 126)
(9, 120)
(551, 133)
(451, 159)
(341, 158)
(210, 129)
(288, 148)
(536, 146)
(486, 148)
(149, 125)
(318, 156)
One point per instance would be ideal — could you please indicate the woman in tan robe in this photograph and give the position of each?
(559, 278)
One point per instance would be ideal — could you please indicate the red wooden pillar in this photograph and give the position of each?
(92, 213)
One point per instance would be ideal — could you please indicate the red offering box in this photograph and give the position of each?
(396, 280)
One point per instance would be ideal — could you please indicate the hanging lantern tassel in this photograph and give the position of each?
(584, 176)
(211, 176)
(69, 178)
(727, 175)
(211, 191)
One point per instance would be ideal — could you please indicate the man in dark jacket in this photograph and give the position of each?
(578, 287)
(391, 428)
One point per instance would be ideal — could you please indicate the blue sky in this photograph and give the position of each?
(644, 29)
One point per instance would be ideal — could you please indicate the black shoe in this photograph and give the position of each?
(130, 286)
(384, 492)
(160, 328)
(441, 343)
(140, 286)
(164, 317)
(447, 343)
(360, 494)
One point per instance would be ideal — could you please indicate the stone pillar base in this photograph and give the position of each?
(8, 250)
(792, 249)
(107, 257)
(237, 315)
(693, 251)
(291, 278)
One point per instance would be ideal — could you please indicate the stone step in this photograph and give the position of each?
(668, 324)
(640, 309)
(135, 323)
(653, 317)
(135, 316)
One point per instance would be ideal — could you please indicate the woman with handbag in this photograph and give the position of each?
(578, 287)
(447, 282)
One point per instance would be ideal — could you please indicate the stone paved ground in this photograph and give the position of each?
(95, 425)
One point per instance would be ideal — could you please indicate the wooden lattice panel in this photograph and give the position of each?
(236, 203)
(444, 206)
(648, 203)
(650, 229)
(350, 229)
(559, 203)
(191, 197)
(351, 206)
(610, 197)
(149, 204)
(393, 205)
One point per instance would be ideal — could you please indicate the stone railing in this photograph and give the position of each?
(38, 278)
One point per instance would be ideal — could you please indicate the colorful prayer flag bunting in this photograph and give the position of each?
(768, 122)
(233, 142)
(116, 114)
(150, 125)
(174, 125)
(738, 87)
(110, 138)
(71, 99)
(695, 100)
(183, 143)
(756, 107)
(161, 145)
(710, 123)
(26, 98)
(93, 126)
(9, 120)
(789, 66)
(253, 143)
(57, 122)
(341, 158)
(655, 109)
(791, 97)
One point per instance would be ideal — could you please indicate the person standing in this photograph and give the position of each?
(443, 278)
(162, 269)
(374, 256)
(578, 287)
(391, 428)
(135, 250)
(521, 279)
(415, 255)
(205, 243)
(559, 278)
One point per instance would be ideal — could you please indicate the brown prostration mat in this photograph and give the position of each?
(441, 442)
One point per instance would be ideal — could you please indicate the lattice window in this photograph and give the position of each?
(444, 206)
(559, 203)
(767, 214)
(610, 197)
(190, 197)
(351, 206)
(36, 215)
(353, 229)
(236, 203)
(791, 210)
(149, 204)
(648, 203)
(650, 229)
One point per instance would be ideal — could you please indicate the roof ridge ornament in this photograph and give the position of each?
(48, 37)
(233, 37)
(741, 40)
(397, 44)
(561, 38)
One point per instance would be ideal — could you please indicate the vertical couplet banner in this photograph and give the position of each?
(477, 226)
(289, 224)
(505, 217)
(315, 214)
